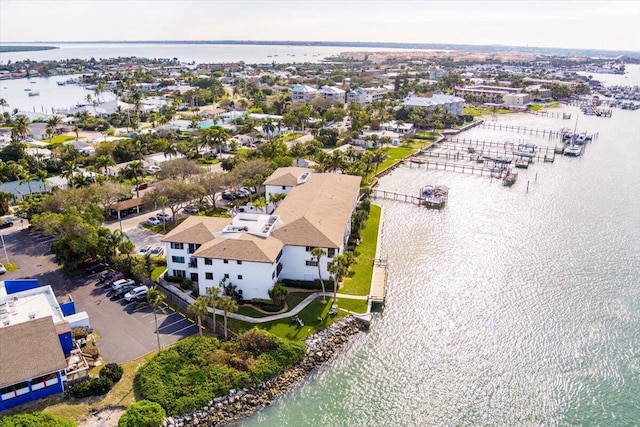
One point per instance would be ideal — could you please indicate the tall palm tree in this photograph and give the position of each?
(3, 104)
(378, 157)
(219, 137)
(338, 268)
(318, 253)
(162, 201)
(227, 305)
(171, 150)
(20, 126)
(297, 150)
(213, 295)
(155, 298)
(134, 170)
(200, 307)
(69, 169)
(268, 127)
(105, 161)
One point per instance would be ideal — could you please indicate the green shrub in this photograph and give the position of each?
(79, 333)
(189, 374)
(302, 284)
(91, 387)
(142, 414)
(35, 419)
(113, 371)
(91, 350)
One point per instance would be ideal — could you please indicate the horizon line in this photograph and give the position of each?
(328, 43)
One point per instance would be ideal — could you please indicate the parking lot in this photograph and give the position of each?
(125, 333)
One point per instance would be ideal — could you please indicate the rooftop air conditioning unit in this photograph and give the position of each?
(32, 316)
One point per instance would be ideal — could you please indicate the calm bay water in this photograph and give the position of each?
(505, 308)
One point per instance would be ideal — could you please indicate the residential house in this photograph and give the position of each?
(35, 342)
(451, 103)
(302, 93)
(365, 96)
(254, 251)
(516, 99)
(332, 93)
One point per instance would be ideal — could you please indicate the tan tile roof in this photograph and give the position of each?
(29, 349)
(196, 229)
(286, 176)
(243, 247)
(126, 204)
(318, 212)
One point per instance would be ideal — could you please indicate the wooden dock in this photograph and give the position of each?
(378, 281)
(522, 129)
(482, 144)
(478, 169)
(377, 193)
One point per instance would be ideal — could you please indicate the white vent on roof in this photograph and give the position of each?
(6, 322)
(303, 178)
(32, 315)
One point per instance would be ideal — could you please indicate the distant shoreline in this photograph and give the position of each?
(15, 48)
(385, 45)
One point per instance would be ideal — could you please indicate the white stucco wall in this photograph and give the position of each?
(256, 276)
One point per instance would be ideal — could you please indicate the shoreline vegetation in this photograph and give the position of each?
(13, 48)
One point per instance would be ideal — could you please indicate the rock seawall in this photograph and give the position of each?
(321, 347)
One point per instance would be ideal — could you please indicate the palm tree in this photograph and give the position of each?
(68, 171)
(268, 128)
(278, 293)
(213, 294)
(162, 201)
(170, 150)
(219, 137)
(338, 268)
(132, 171)
(378, 157)
(155, 298)
(227, 305)
(200, 308)
(318, 253)
(3, 104)
(20, 126)
(297, 150)
(105, 161)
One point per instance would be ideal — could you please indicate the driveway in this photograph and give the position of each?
(125, 333)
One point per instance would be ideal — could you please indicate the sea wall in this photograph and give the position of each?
(321, 347)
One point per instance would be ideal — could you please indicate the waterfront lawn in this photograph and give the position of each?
(292, 300)
(285, 328)
(483, 111)
(158, 228)
(354, 305)
(394, 155)
(536, 107)
(360, 283)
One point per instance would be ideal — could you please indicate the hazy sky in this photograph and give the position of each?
(574, 24)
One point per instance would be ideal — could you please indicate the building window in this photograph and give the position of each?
(177, 259)
(193, 262)
(194, 277)
(177, 245)
(273, 274)
(44, 381)
(278, 269)
(311, 263)
(208, 276)
(179, 273)
(279, 256)
(328, 266)
(239, 262)
(226, 276)
(14, 390)
(284, 187)
(208, 261)
(308, 248)
(193, 247)
(239, 276)
(331, 252)
(226, 261)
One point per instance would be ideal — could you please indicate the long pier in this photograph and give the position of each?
(378, 281)
(447, 166)
(522, 129)
(377, 193)
(492, 144)
(462, 156)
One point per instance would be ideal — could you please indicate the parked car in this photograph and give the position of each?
(164, 217)
(137, 294)
(97, 268)
(106, 276)
(141, 186)
(120, 293)
(120, 283)
(191, 209)
(228, 195)
(157, 251)
(153, 169)
(153, 221)
(144, 250)
(107, 283)
(242, 192)
(2, 269)
(6, 224)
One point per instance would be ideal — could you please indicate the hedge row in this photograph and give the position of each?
(109, 375)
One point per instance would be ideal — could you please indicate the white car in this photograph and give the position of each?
(164, 217)
(153, 169)
(120, 283)
(136, 294)
(153, 221)
(144, 250)
(2, 269)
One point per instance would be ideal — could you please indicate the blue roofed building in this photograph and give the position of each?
(37, 352)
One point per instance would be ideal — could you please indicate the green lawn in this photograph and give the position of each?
(285, 328)
(158, 228)
(394, 155)
(157, 272)
(293, 299)
(360, 283)
(536, 107)
(59, 139)
(354, 305)
(483, 111)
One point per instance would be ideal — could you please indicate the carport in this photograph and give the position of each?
(118, 208)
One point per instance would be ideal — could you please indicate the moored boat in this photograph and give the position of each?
(510, 178)
(36, 93)
(573, 150)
